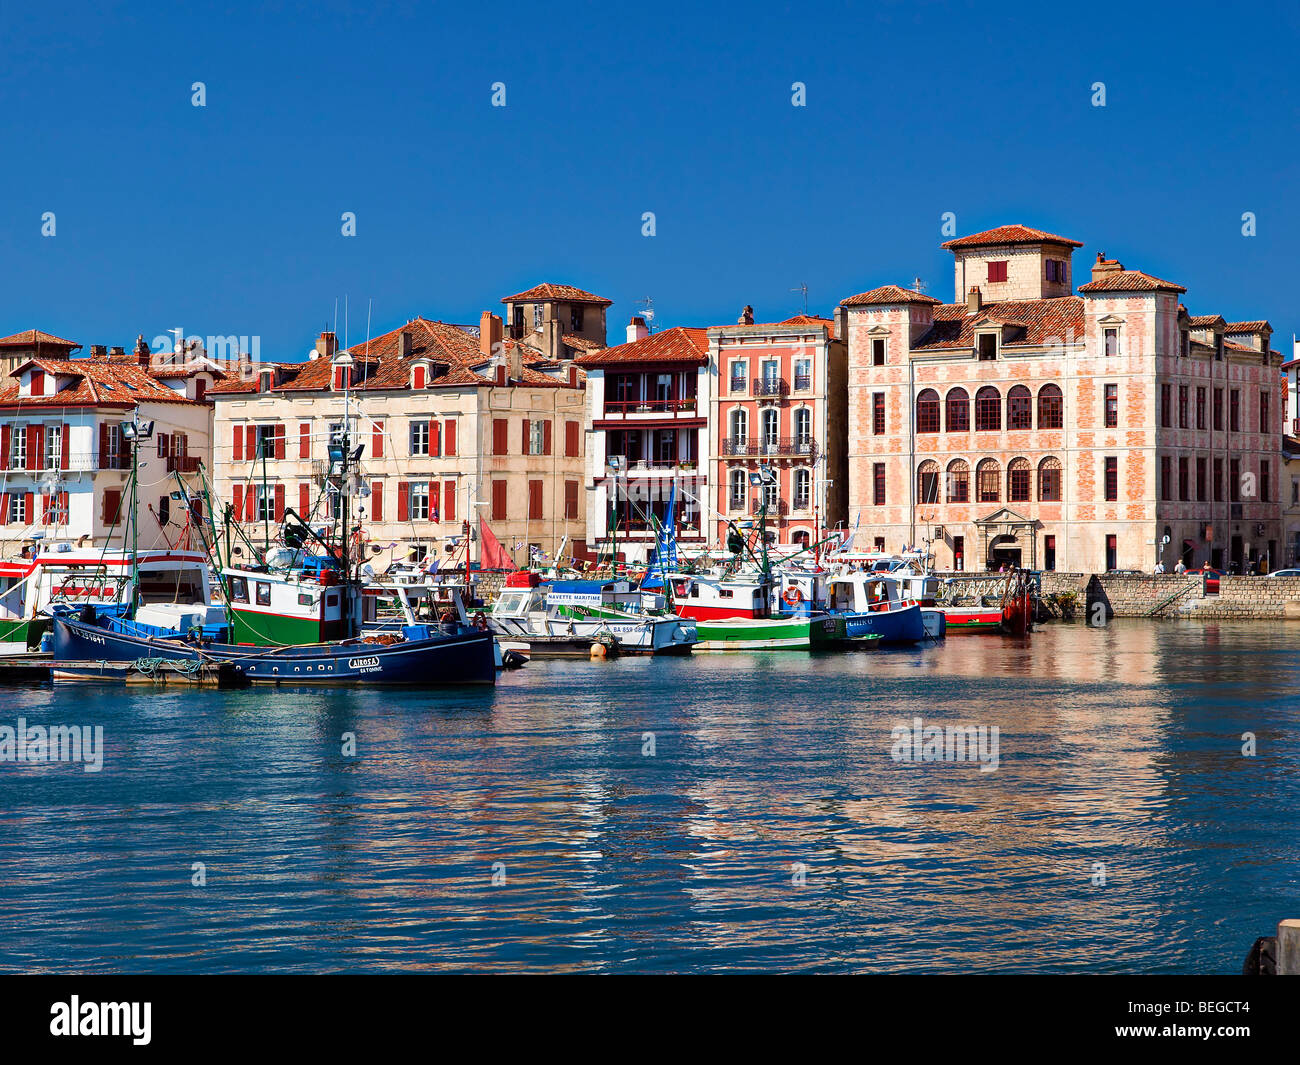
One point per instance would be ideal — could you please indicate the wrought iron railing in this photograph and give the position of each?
(767, 447)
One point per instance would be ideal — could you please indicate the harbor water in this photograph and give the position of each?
(736, 812)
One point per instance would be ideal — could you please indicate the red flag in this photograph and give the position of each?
(491, 554)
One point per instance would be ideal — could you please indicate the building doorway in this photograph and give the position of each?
(1236, 555)
(1004, 551)
(1189, 553)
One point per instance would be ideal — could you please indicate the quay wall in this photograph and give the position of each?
(1174, 595)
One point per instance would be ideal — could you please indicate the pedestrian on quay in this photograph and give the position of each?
(1181, 567)
(1160, 566)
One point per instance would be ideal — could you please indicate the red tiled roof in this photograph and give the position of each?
(1013, 234)
(1206, 320)
(1247, 327)
(811, 320)
(888, 294)
(96, 382)
(679, 344)
(29, 338)
(559, 293)
(1130, 281)
(581, 343)
(1057, 320)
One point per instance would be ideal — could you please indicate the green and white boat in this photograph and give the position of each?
(793, 633)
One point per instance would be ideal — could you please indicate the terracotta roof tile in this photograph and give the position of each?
(1206, 320)
(1130, 281)
(29, 338)
(679, 344)
(887, 294)
(1055, 320)
(559, 293)
(95, 382)
(1013, 234)
(581, 343)
(1247, 327)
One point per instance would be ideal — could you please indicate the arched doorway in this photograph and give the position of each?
(1004, 551)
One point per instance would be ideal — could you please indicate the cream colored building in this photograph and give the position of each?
(454, 428)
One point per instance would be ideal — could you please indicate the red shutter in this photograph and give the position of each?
(45, 509)
(403, 501)
(534, 500)
(498, 500)
(377, 500)
(239, 502)
(419, 377)
(435, 438)
(304, 500)
(279, 444)
(498, 436)
(5, 440)
(103, 445)
(449, 438)
(112, 503)
(38, 383)
(377, 440)
(279, 502)
(571, 500)
(304, 440)
(434, 511)
(29, 508)
(63, 452)
(250, 442)
(4, 508)
(524, 449)
(546, 437)
(237, 449)
(250, 504)
(449, 499)
(571, 439)
(63, 508)
(35, 440)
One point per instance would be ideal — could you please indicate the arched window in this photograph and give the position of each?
(927, 480)
(988, 410)
(958, 489)
(958, 412)
(802, 429)
(802, 489)
(1049, 480)
(927, 411)
(1018, 479)
(988, 476)
(1020, 408)
(771, 431)
(739, 430)
(1051, 408)
(737, 481)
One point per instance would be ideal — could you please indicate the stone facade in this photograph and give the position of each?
(1060, 430)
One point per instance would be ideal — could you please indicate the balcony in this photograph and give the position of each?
(777, 507)
(802, 382)
(787, 447)
(78, 462)
(182, 464)
(660, 407)
(769, 387)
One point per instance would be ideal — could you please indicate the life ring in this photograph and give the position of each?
(480, 621)
(792, 595)
(446, 617)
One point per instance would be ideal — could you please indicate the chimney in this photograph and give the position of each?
(141, 351)
(573, 376)
(515, 360)
(501, 374)
(637, 330)
(973, 299)
(326, 345)
(116, 353)
(98, 351)
(404, 344)
(746, 316)
(1104, 266)
(842, 323)
(489, 334)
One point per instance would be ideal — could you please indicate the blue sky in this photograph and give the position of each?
(226, 219)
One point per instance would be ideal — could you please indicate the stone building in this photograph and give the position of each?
(1029, 422)
(455, 428)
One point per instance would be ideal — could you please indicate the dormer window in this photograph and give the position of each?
(38, 382)
(1218, 347)
(997, 271)
(986, 344)
(265, 380)
(419, 376)
(340, 378)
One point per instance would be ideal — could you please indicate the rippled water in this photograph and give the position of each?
(1120, 746)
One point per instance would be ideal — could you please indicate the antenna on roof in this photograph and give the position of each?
(918, 285)
(803, 287)
(647, 311)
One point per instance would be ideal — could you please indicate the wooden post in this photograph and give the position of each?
(1288, 947)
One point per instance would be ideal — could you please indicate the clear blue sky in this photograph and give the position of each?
(226, 219)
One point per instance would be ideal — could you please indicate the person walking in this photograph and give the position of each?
(1181, 567)
(1160, 567)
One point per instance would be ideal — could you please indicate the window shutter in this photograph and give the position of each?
(103, 445)
(419, 376)
(449, 500)
(250, 442)
(29, 512)
(377, 440)
(4, 508)
(238, 500)
(279, 443)
(449, 437)
(35, 441)
(304, 440)
(498, 436)
(546, 437)
(377, 501)
(279, 502)
(435, 438)
(237, 449)
(304, 500)
(498, 500)
(570, 439)
(63, 447)
(435, 512)
(63, 508)
(524, 449)
(4, 449)
(112, 501)
(534, 500)
(403, 501)
(250, 504)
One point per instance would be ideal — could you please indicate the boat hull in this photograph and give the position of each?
(905, 625)
(463, 657)
(973, 619)
(770, 634)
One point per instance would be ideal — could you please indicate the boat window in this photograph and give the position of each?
(305, 599)
(724, 593)
(331, 600)
(263, 594)
(238, 589)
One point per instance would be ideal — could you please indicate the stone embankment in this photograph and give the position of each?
(1174, 595)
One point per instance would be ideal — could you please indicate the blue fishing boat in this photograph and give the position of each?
(873, 604)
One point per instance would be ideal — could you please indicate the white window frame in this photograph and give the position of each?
(737, 478)
(53, 446)
(417, 501)
(419, 437)
(738, 382)
(801, 491)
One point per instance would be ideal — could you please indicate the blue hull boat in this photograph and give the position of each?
(901, 625)
(436, 657)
